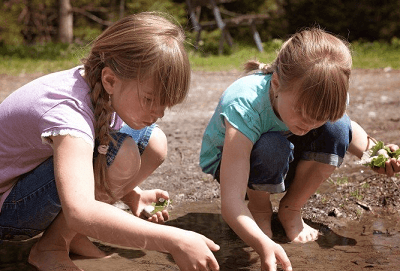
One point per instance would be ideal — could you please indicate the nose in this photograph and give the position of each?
(159, 112)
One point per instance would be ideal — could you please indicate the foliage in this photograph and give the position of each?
(50, 57)
(45, 51)
(369, 20)
(36, 21)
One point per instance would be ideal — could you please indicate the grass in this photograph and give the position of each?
(48, 58)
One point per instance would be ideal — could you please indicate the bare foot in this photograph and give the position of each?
(54, 260)
(262, 218)
(296, 230)
(81, 245)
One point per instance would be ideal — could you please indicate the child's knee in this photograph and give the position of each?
(127, 161)
(272, 148)
(157, 148)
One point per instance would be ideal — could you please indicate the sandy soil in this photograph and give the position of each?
(356, 210)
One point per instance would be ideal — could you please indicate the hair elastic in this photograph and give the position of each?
(261, 66)
(102, 149)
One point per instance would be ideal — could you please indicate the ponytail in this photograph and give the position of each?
(253, 65)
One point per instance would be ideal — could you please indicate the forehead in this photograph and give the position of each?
(142, 86)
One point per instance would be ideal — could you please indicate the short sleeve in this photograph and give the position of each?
(244, 120)
(68, 118)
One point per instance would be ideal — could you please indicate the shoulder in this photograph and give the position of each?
(248, 91)
(249, 86)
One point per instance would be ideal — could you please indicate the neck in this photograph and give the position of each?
(273, 97)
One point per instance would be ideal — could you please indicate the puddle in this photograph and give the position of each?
(373, 243)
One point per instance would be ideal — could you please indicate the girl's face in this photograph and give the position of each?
(136, 105)
(133, 101)
(285, 106)
(287, 110)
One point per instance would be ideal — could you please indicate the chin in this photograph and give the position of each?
(137, 126)
(299, 132)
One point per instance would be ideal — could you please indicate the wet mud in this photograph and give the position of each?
(356, 211)
(372, 243)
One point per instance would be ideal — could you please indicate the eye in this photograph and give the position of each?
(147, 100)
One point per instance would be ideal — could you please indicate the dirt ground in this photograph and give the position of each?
(356, 210)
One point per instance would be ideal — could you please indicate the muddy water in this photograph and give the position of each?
(373, 243)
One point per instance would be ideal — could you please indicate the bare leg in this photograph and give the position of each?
(153, 156)
(261, 209)
(309, 175)
(81, 245)
(51, 252)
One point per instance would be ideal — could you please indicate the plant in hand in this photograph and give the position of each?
(378, 155)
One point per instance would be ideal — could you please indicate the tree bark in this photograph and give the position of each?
(65, 28)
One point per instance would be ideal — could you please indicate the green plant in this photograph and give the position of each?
(339, 181)
(356, 194)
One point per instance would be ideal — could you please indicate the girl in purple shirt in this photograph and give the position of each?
(65, 158)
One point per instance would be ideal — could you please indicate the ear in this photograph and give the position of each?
(275, 81)
(109, 80)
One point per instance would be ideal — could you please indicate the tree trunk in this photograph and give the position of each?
(65, 28)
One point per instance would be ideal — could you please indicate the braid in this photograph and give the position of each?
(103, 114)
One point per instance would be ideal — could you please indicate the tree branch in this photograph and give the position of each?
(91, 16)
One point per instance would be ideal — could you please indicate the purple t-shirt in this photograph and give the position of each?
(55, 104)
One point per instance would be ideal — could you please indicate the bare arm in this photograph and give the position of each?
(85, 215)
(235, 168)
(360, 141)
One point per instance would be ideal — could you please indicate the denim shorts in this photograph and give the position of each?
(33, 202)
(274, 157)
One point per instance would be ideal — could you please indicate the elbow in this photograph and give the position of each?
(226, 210)
(75, 215)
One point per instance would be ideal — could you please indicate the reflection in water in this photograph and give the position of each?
(234, 253)
(345, 248)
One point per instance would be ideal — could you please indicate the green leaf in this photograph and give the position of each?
(160, 205)
(371, 159)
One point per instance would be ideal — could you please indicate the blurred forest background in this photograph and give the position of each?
(25, 24)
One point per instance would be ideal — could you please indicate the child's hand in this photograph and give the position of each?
(383, 159)
(139, 199)
(192, 251)
(274, 254)
(392, 166)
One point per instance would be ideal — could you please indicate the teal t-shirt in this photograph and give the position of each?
(247, 107)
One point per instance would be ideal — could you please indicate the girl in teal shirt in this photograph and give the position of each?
(282, 129)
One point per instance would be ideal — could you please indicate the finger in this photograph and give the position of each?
(160, 218)
(283, 259)
(165, 215)
(389, 168)
(213, 263)
(152, 219)
(396, 167)
(161, 194)
(393, 147)
(270, 265)
(210, 243)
